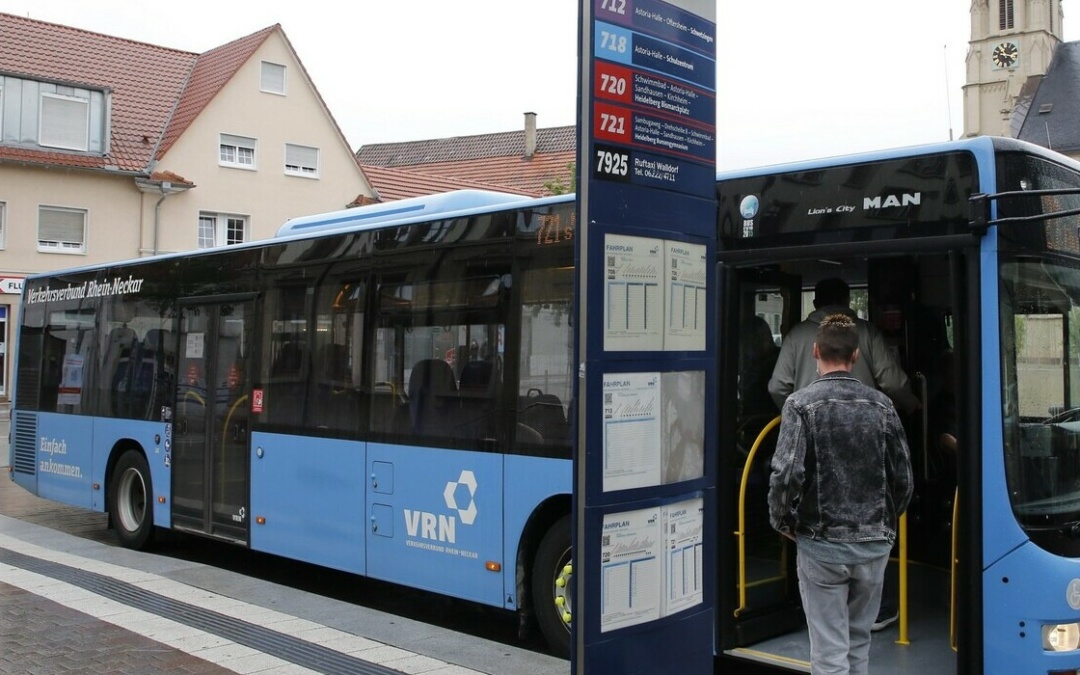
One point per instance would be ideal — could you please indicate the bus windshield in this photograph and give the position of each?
(1040, 325)
(1039, 286)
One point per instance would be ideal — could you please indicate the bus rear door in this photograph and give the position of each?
(211, 470)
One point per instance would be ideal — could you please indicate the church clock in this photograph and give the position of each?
(1005, 55)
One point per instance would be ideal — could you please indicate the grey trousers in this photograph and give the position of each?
(841, 603)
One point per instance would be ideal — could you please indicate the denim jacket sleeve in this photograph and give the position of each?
(788, 470)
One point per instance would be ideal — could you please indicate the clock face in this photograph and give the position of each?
(1005, 55)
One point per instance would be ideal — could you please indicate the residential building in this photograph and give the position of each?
(114, 149)
(531, 162)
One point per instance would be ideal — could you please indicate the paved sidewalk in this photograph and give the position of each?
(41, 636)
(72, 604)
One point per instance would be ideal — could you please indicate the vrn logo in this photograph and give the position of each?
(905, 199)
(441, 527)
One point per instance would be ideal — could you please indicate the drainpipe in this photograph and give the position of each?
(165, 187)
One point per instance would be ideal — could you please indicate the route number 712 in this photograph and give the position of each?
(614, 6)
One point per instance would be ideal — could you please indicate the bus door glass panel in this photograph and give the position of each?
(1040, 327)
(768, 304)
(210, 463)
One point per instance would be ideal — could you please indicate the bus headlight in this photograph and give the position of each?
(1062, 637)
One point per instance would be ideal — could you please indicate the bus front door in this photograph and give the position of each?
(759, 590)
(211, 471)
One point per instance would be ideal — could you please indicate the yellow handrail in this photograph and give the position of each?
(224, 440)
(953, 566)
(903, 637)
(740, 533)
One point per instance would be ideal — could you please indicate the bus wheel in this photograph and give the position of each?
(130, 501)
(551, 589)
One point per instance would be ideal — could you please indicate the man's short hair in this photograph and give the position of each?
(837, 338)
(832, 292)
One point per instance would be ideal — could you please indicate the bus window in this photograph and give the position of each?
(546, 364)
(337, 342)
(285, 363)
(438, 359)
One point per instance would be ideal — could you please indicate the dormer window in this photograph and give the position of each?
(272, 79)
(38, 114)
(65, 122)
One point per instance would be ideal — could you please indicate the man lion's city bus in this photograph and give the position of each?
(388, 391)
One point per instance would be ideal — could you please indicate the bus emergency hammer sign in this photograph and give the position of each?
(645, 517)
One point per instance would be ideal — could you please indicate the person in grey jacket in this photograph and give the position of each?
(876, 366)
(841, 477)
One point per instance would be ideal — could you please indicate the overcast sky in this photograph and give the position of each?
(796, 79)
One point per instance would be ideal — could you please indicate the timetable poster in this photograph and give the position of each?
(630, 573)
(633, 293)
(683, 574)
(685, 277)
(632, 448)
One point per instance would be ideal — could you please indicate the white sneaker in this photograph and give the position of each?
(884, 622)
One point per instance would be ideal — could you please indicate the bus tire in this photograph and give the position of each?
(131, 501)
(551, 589)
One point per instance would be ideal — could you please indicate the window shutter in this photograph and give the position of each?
(64, 122)
(61, 225)
(273, 78)
(301, 158)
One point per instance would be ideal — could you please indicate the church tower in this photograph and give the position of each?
(1011, 40)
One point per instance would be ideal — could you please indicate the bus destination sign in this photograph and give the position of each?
(654, 96)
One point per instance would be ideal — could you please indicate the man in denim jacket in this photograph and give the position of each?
(841, 476)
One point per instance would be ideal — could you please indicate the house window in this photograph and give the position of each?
(237, 151)
(1006, 17)
(301, 160)
(61, 230)
(272, 79)
(65, 122)
(220, 229)
(3, 225)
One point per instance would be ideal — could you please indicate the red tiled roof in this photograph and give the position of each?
(465, 148)
(144, 82)
(156, 93)
(497, 160)
(394, 184)
(213, 69)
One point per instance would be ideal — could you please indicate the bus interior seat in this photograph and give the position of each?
(289, 360)
(478, 389)
(337, 404)
(526, 434)
(120, 348)
(432, 394)
(477, 377)
(545, 414)
(286, 386)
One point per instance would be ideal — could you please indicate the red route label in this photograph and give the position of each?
(612, 82)
(612, 123)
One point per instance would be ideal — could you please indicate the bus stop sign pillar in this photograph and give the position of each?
(645, 522)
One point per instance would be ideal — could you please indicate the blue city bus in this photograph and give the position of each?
(384, 391)
(966, 255)
(389, 391)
